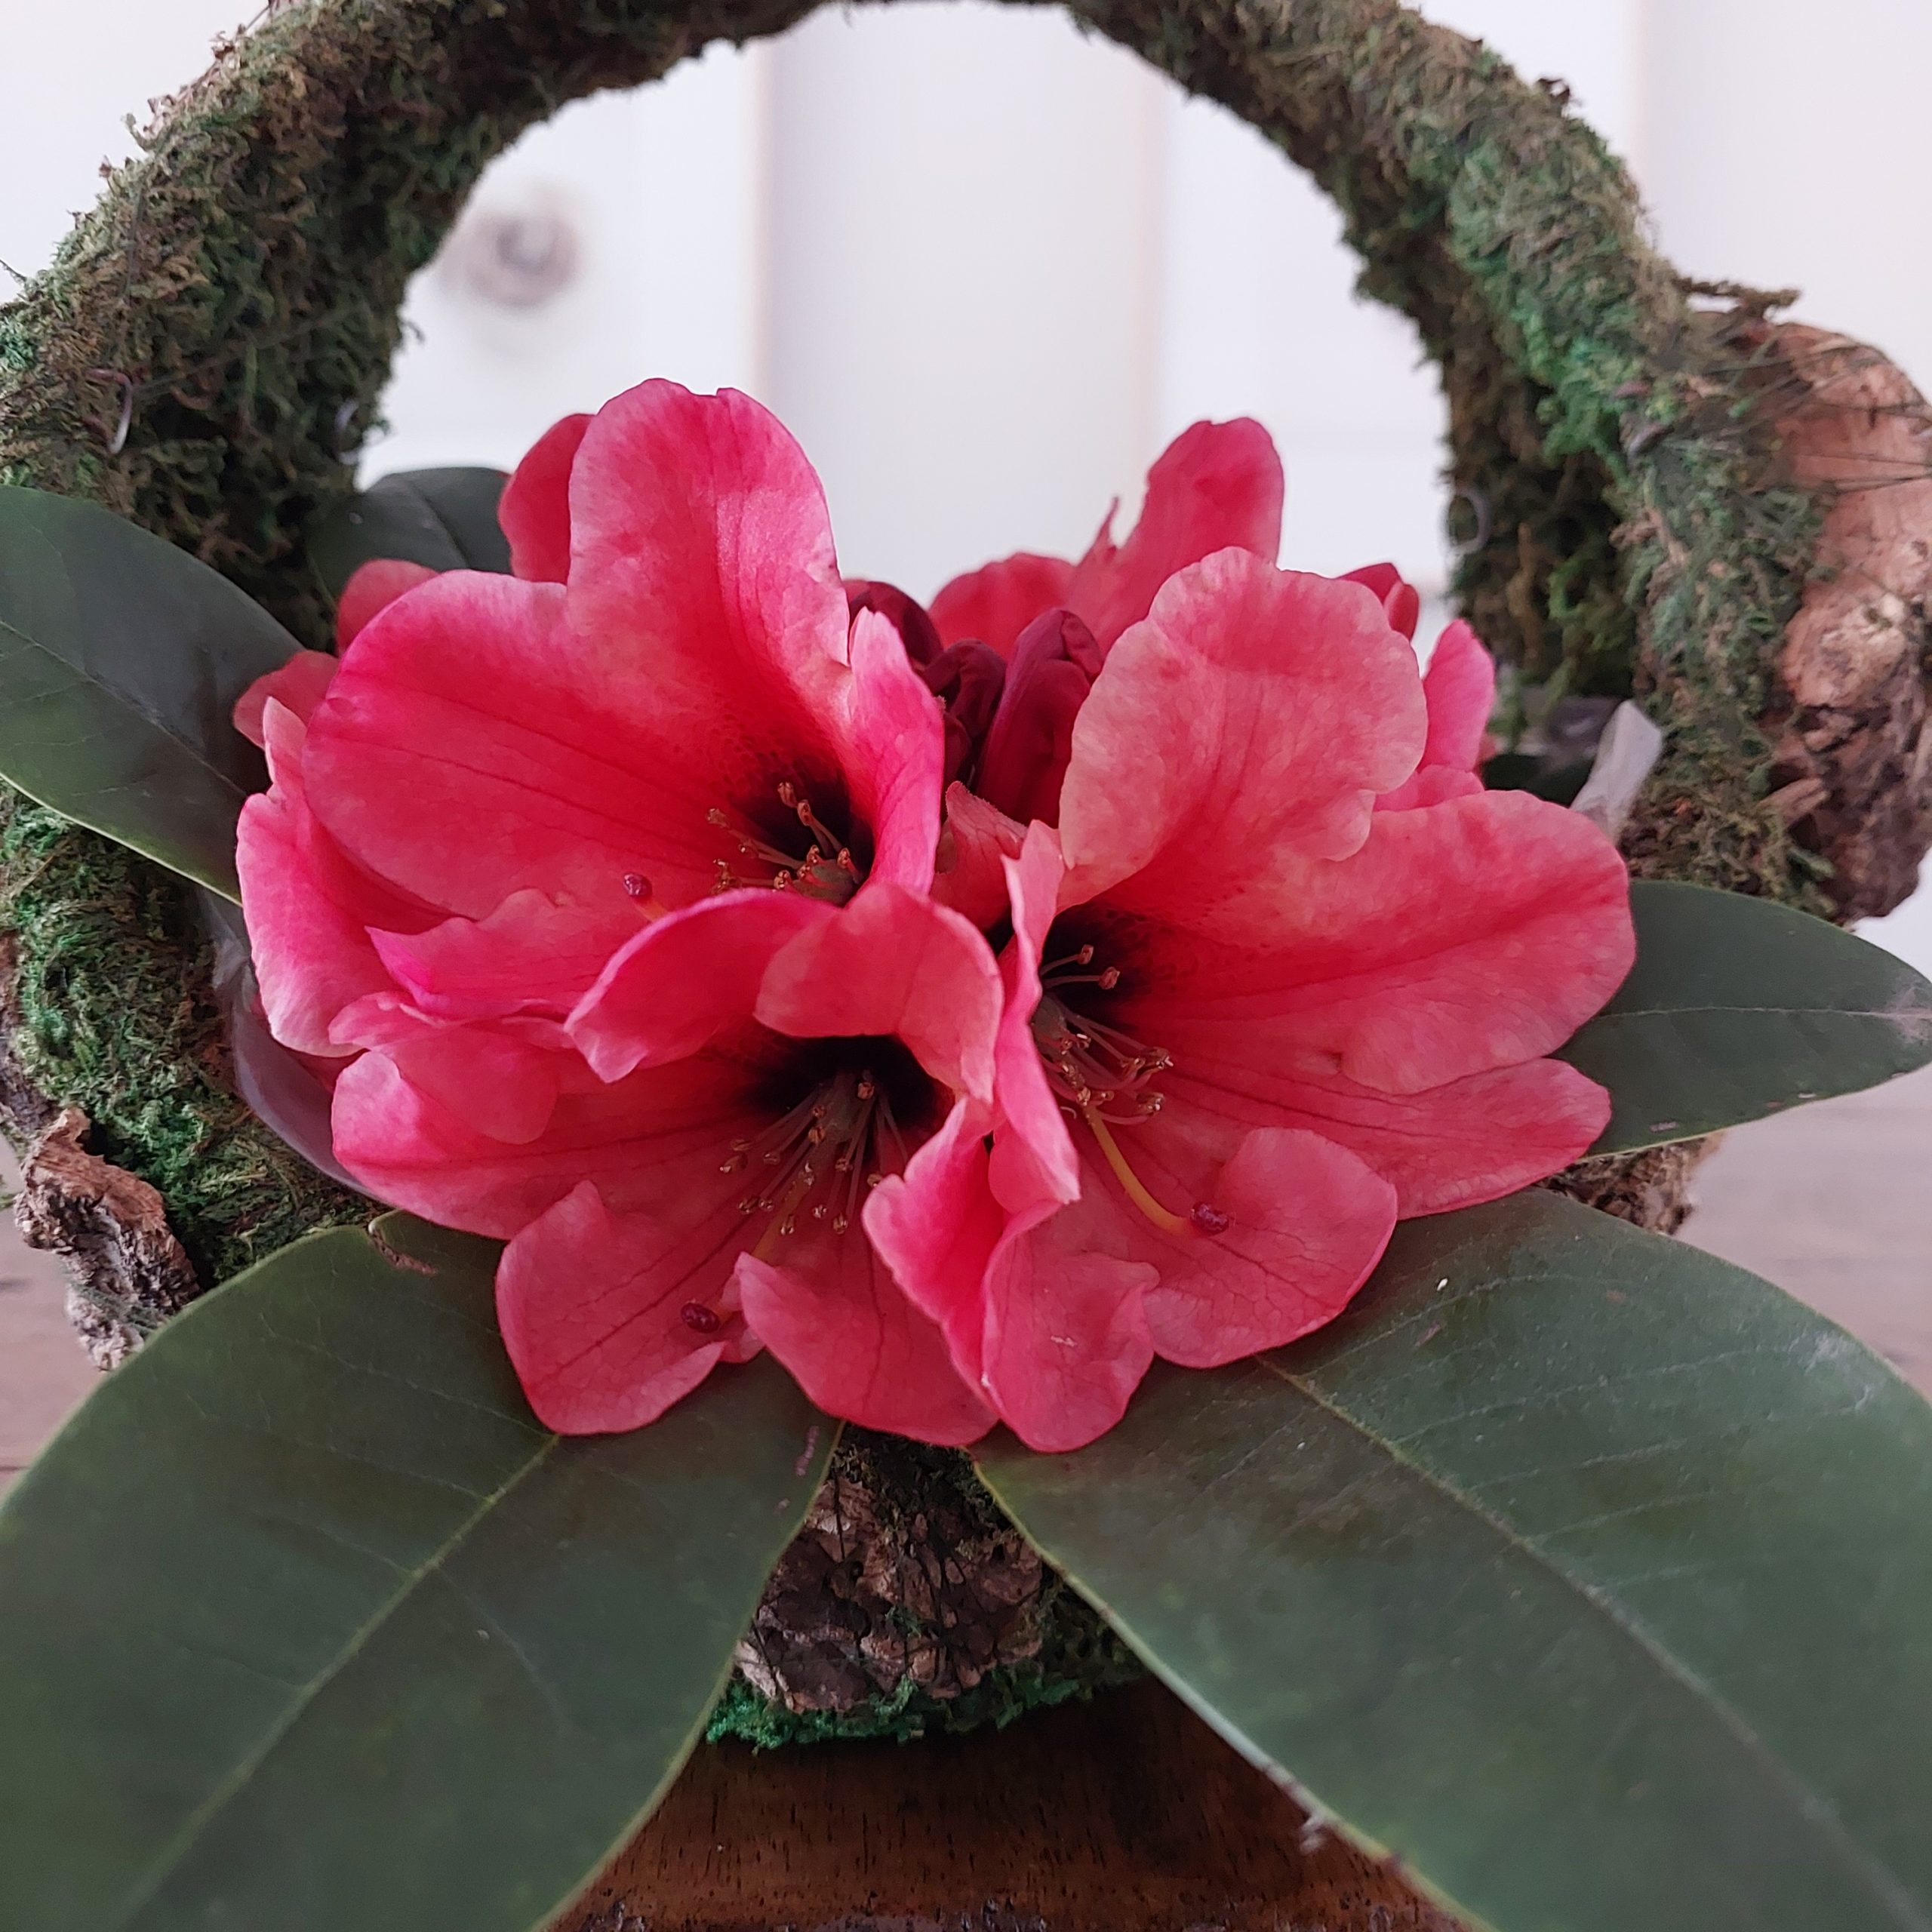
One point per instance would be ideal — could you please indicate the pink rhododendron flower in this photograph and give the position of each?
(1283, 974)
(602, 892)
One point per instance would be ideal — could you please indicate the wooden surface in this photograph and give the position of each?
(1124, 1815)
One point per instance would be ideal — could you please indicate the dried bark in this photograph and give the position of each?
(127, 1272)
(1852, 745)
(897, 1574)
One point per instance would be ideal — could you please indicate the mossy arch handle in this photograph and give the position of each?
(239, 288)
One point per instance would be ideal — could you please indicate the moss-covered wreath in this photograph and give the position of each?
(1650, 471)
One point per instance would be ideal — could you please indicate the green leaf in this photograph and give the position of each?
(307, 1626)
(1589, 1573)
(444, 518)
(1737, 1008)
(121, 659)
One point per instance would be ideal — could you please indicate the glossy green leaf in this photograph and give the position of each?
(444, 518)
(1589, 1573)
(307, 1626)
(1737, 1008)
(121, 659)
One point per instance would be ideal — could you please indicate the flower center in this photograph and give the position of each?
(1101, 1076)
(820, 1159)
(825, 869)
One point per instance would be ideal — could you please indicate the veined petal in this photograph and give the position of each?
(1401, 604)
(610, 1319)
(895, 733)
(1216, 486)
(535, 511)
(893, 962)
(978, 838)
(1459, 687)
(1250, 722)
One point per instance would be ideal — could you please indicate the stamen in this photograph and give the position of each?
(819, 877)
(837, 1139)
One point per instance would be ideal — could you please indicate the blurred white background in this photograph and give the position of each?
(985, 267)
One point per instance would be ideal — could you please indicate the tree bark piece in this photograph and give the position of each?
(1851, 743)
(127, 1271)
(1125, 1815)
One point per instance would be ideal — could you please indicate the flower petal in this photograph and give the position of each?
(1251, 721)
(1308, 1221)
(372, 587)
(683, 979)
(1033, 1158)
(654, 1143)
(535, 510)
(893, 962)
(593, 1309)
(1460, 688)
(1216, 486)
(994, 604)
(831, 1312)
(1400, 603)
(895, 733)
(299, 684)
(1471, 935)
(978, 836)
(1456, 1146)
(530, 955)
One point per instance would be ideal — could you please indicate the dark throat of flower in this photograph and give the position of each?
(811, 1170)
(798, 852)
(1103, 1078)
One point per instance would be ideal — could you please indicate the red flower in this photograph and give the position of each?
(1252, 1020)
(514, 878)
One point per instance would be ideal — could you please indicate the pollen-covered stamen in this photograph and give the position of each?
(825, 869)
(1101, 1076)
(818, 1161)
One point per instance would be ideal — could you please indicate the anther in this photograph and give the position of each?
(701, 1320)
(1210, 1219)
(636, 886)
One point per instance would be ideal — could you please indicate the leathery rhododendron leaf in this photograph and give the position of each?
(1737, 1008)
(442, 519)
(1584, 1572)
(121, 659)
(306, 1621)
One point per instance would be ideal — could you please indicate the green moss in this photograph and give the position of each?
(1078, 1656)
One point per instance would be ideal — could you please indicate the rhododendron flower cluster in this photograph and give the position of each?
(965, 1004)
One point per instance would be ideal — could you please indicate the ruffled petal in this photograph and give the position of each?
(1249, 723)
(535, 511)
(1430, 785)
(896, 736)
(610, 1319)
(530, 955)
(686, 978)
(299, 684)
(1218, 486)
(829, 1310)
(893, 962)
(370, 590)
(307, 909)
(994, 604)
